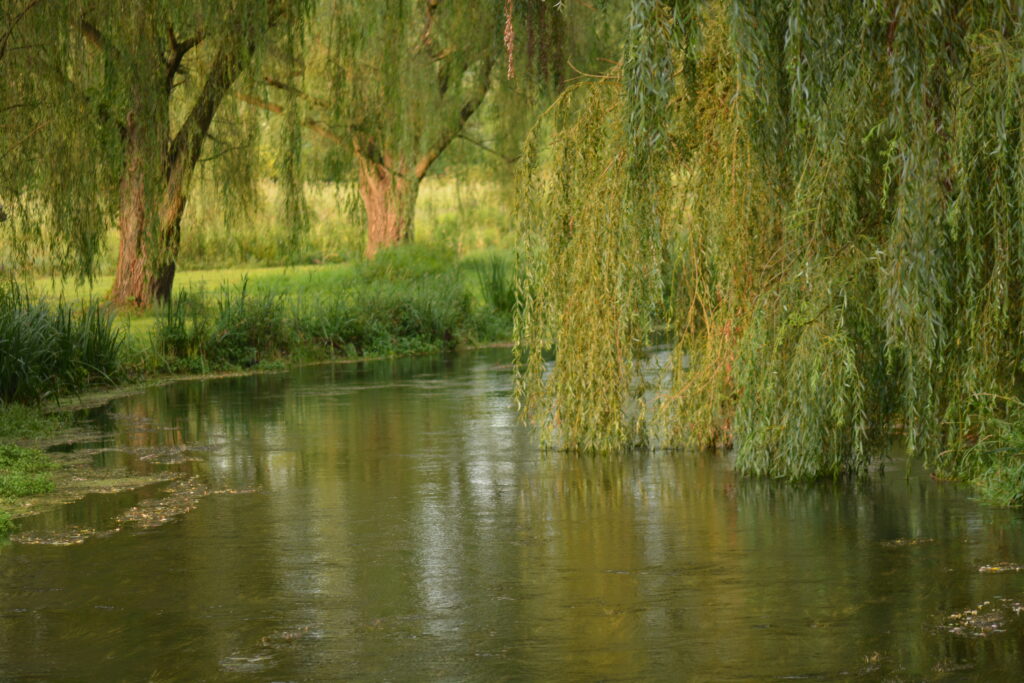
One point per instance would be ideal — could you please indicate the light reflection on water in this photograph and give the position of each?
(406, 528)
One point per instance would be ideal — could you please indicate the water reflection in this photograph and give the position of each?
(404, 527)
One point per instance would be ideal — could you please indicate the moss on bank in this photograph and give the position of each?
(23, 472)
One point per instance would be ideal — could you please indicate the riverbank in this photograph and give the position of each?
(409, 301)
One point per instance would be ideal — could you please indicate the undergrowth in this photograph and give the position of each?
(408, 300)
(49, 349)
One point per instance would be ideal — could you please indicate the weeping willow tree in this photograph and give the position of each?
(390, 86)
(108, 108)
(835, 208)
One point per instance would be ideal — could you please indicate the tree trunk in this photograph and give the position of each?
(390, 202)
(149, 245)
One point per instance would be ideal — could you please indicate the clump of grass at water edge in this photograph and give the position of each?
(48, 349)
(23, 472)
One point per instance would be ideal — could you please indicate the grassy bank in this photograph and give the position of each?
(412, 299)
(462, 215)
(58, 340)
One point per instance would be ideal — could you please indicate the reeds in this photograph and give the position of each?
(411, 300)
(48, 349)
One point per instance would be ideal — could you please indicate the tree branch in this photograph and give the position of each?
(486, 148)
(312, 124)
(298, 92)
(472, 103)
(227, 65)
(178, 52)
(13, 24)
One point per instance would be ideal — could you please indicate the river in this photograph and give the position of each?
(393, 521)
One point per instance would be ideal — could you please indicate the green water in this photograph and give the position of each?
(402, 526)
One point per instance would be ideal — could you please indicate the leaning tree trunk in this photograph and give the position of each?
(390, 202)
(149, 244)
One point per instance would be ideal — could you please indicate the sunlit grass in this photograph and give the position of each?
(463, 216)
(410, 299)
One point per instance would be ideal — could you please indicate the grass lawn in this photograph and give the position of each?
(290, 282)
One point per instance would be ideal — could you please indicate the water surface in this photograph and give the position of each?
(392, 521)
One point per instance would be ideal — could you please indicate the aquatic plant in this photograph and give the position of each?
(24, 472)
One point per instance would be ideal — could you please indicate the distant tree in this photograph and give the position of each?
(395, 83)
(111, 105)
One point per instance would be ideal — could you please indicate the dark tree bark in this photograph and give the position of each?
(148, 244)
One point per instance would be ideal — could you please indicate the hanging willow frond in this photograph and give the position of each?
(844, 244)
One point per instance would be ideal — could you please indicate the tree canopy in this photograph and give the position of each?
(833, 210)
(108, 107)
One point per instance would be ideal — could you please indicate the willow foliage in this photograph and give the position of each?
(593, 269)
(107, 108)
(843, 246)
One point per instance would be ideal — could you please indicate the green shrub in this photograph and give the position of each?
(387, 318)
(248, 327)
(240, 329)
(409, 300)
(6, 523)
(339, 325)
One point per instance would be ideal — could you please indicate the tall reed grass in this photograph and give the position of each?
(48, 349)
(412, 299)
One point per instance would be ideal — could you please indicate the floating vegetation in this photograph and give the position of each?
(182, 497)
(999, 568)
(990, 617)
(70, 536)
(906, 542)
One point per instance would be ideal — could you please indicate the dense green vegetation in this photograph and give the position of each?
(47, 349)
(818, 204)
(411, 299)
(408, 300)
(23, 472)
(837, 222)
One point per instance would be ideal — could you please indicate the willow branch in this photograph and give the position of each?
(472, 103)
(312, 124)
(487, 148)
